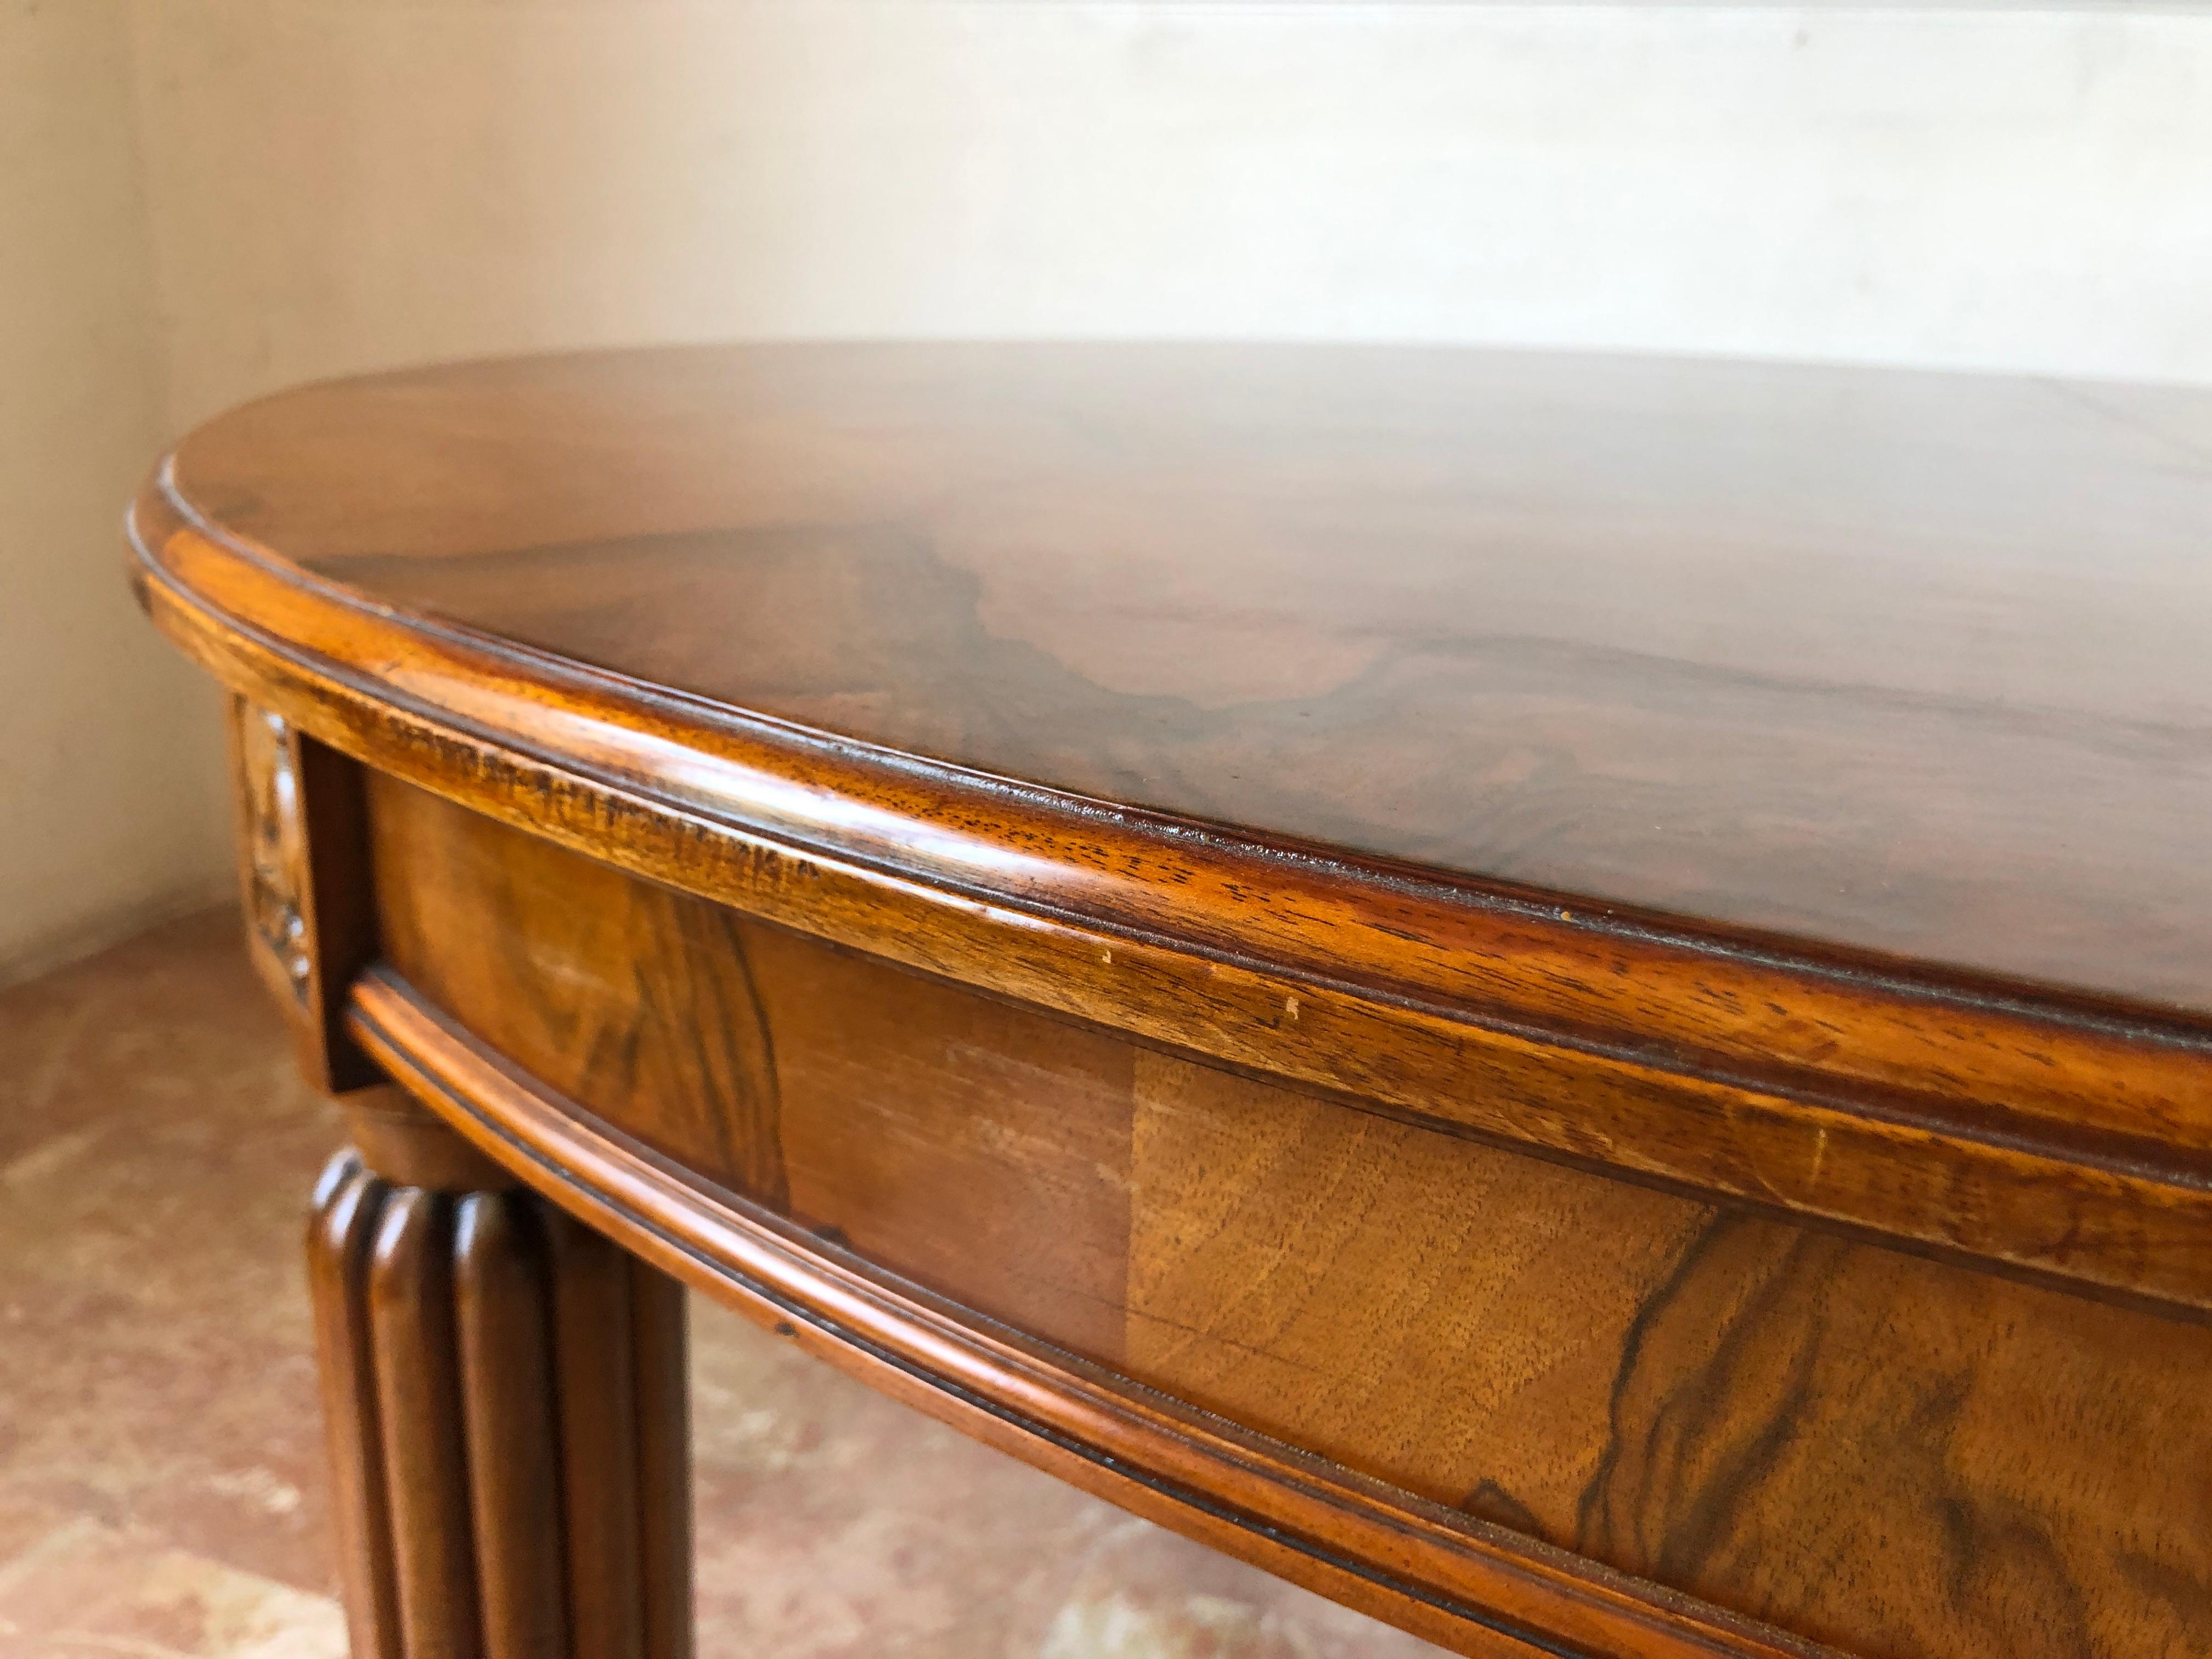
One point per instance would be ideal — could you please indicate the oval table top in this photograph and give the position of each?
(1909, 663)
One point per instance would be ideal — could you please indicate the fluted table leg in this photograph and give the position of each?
(507, 1409)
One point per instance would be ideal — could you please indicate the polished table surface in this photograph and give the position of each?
(1566, 996)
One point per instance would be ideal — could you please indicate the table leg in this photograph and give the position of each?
(507, 1408)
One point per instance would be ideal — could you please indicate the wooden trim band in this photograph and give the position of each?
(2022, 1130)
(1470, 1586)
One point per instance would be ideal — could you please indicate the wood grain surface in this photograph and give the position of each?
(1905, 661)
(1873, 1451)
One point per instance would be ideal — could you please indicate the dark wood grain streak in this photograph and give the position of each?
(1798, 1426)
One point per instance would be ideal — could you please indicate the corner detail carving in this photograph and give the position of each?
(276, 840)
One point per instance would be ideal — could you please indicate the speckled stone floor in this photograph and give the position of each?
(161, 1455)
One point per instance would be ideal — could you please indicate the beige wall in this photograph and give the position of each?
(108, 811)
(340, 184)
(333, 185)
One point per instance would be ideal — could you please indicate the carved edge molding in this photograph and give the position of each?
(1475, 1588)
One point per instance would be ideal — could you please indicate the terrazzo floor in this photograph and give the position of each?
(160, 1453)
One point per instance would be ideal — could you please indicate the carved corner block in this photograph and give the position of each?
(303, 878)
(273, 846)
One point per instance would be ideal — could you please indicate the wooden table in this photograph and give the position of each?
(1569, 999)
